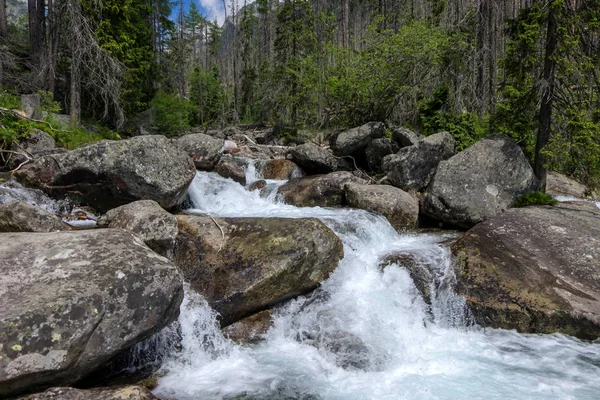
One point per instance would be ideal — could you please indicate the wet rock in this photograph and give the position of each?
(112, 173)
(418, 271)
(233, 168)
(109, 393)
(479, 183)
(413, 167)
(353, 142)
(405, 137)
(399, 207)
(314, 159)
(13, 191)
(580, 205)
(279, 169)
(377, 149)
(318, 190)
(22, 217)
(204, 149)
(258, 185)
(245, 265)
(559, 184)
(71, 301)
(148, 221)
(533, 269)
(249, 330)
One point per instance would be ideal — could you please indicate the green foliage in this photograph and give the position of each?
(47, 102)
(171, 114)
(9, 100)
(207, 95)
(536, 198)
(466, 128)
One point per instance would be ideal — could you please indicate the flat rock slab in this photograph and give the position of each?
(120, 393)
(533, 269)
(245, 265)
(70, 301)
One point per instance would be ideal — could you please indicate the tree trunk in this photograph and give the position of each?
(3, 26)
(75, 109)
(52, 48)
(346, 24)
(547, 99)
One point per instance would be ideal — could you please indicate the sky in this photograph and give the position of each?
(209, 8)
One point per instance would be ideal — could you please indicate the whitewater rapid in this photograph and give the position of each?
(366, 333)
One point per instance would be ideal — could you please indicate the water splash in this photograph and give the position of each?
(367, 333)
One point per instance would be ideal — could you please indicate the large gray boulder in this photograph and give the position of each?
(108, 393)
(479, 183)
(314, 159)
(405, 137)
(412, 168)
(204, 150)
(70, 301)
(377, 149)
(245, 265)
(354, 141)
(399, 207)
(318, 190)
(22, 217)
(533, 269)
(147, 220)
(112, 173)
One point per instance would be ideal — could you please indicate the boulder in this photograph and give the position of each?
(580, 205)
(417, 269)
(399, 207)
(245, 265)
(71, 301)
(249, 330)
(559, 184)
(13, 191)
(314, 159)
(377, 149)
(413, 167)
(148, 221)
(204, 149)
(35, 143)
(257, 185)
(405, 137)
(31, 105)
(479, 183)
(22, 217)
(354, 141)
(318, 190)
(232, 168)
(108, 393)
(280, 170)
(533, 269)
(112, 173)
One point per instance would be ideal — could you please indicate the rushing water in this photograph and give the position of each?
(366, 333)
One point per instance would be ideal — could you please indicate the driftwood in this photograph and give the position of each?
(28, 158)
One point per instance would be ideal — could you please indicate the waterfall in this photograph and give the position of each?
(366, 333)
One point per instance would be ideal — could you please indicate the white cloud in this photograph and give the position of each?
(213, 10)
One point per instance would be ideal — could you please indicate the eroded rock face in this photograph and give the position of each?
(399, 207)
(355, 140)
(314, 159)
(109, 393)
(254, 263)
(22, 217)
(204, 149)
(112, 173)
(412, 168)
(148, 221)
(318, 190)
(479, 183)
(70, 301)
(533, 269)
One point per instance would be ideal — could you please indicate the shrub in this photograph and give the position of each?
(536, 198)
(170, 114)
